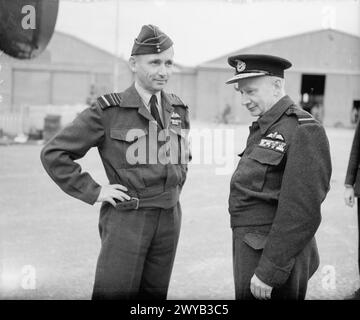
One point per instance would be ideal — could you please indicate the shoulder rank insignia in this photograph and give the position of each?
(176, 101)
(273, 145)
(302, 115)
(109, 100)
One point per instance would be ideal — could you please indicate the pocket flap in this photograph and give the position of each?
(266, 156)
(256, 241)
(179, 131)
(124, 135)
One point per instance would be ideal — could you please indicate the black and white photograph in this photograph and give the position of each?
(179, 150)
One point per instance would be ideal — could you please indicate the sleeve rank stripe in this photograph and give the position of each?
(113, 96)
(119, 97)
(116, 98)
(110, 99)
(307, 119)
(105, 101)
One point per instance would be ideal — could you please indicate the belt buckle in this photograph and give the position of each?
(137, 202)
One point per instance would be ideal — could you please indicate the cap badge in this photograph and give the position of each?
(240, 66)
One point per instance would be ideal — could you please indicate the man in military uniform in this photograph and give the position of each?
(140, 136)
(278, 186)
(352, 190)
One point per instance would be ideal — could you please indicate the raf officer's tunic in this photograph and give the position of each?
(138, 237)
(353, 177)
(275, 197)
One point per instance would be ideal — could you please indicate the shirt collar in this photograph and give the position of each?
(274, 113)
(146, 95)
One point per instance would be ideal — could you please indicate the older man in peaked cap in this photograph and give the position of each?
(140, 134)
(278, 186)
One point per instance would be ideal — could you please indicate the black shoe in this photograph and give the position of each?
(354, 296)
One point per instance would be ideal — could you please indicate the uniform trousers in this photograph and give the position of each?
(358, 217)
(137, 252)
(246, 258)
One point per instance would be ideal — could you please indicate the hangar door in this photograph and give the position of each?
(70, 87)
(30, 88)
(36, 87)
(312, 94)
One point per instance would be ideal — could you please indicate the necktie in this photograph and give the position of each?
(154, 110)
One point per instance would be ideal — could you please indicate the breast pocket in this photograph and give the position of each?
(179, 146)
(129, 146)
(257, 166)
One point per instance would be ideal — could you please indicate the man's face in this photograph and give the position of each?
(152, 71)
(258, 94)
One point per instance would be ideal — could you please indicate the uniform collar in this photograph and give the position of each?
(131, 98)
(146, 95)
(274, 113)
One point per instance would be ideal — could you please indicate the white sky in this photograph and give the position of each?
(203, 29)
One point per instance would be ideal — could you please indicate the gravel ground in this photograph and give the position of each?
(45, 233)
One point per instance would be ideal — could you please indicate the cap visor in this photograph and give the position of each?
(245, 75)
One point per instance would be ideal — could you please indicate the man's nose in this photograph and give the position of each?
(162, 70)
(244, 99)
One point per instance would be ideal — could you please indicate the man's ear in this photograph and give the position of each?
(277, 83)
(132, 63)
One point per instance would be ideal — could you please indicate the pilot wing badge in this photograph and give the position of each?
(276, 136)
